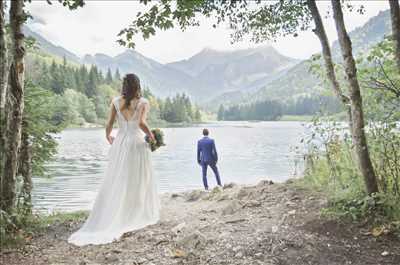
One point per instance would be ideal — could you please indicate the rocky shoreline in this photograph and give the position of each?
(262, 224)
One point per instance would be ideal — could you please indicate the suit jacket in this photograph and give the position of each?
(206, 151)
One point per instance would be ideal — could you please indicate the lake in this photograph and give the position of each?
(248, 152)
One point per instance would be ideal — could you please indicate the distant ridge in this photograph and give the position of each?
(212, 77)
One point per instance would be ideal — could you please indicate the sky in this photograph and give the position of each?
(94, 28)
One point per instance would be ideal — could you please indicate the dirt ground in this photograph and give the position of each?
(267, 224)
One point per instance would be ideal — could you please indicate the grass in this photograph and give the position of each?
(22, 229)
(347, 199)
(296, 118)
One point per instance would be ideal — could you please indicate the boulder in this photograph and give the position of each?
(192, 241)
(265, 182)
(243, 193)
(252, 203)
(229, 185)
(232, 207)
(194, 195)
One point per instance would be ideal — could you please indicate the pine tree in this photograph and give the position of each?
(81, 77)
(92, 82)
(221, 113)
(57, 80)
(109, 78)
(197, 115)
(117, 75)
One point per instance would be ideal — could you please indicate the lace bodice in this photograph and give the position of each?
(131, 123)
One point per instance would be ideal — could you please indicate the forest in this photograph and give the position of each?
(272, 110)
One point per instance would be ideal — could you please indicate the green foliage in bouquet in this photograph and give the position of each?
(159, 139)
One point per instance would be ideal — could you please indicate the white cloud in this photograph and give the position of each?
(94, 28)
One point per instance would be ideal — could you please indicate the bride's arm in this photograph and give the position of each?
(143, 121)
(110, 123)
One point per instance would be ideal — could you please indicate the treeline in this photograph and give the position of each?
(271, 110)
(268, 110)
(86, 93)
(179, 109)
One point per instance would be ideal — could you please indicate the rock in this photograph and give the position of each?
(235, 220)
(239, 255)
(291, 204)
(140, 260)
(178, 253)
(258, 255)
(111, 258)
(194, 195)
(175, 195)
(252, 203)
(274, 229)
(192, 241)
(229, 186)
(236, 249)
(224, 197)
(265, 182)
(178, 228)
(242, 193)
(385, 253)
(232, 207)
(292, 212)
(295, 198)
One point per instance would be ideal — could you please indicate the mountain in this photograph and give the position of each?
(49, 47)
(212, 77)
(161, 79)
(227, 71)
(369, 34)
(298, 80)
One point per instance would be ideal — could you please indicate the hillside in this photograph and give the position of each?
(298, 80)
(161, 79)
(50, 48)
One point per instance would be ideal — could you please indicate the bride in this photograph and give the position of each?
(127, 199)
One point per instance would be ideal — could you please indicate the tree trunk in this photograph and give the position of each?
(3, 81)
(326, 51)
(395, 16)
(25, 169)
(3, 56)
(358, 131)
(15, 97)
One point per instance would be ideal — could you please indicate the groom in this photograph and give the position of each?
(207, 156)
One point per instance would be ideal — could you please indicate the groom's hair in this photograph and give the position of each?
(205, 132)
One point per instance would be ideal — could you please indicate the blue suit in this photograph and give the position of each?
(207, 156)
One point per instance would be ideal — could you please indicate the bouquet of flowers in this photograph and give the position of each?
(159, 139)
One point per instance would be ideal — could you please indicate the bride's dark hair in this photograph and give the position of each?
(130, 89)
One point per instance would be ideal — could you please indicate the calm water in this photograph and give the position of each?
(248, 153)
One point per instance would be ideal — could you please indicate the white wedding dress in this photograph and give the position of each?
(127, 199)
